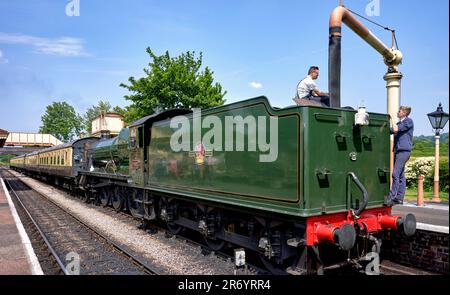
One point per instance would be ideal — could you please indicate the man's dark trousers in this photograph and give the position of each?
(398, 176)
(324, 100)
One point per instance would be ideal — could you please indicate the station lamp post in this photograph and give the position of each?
(438, 120)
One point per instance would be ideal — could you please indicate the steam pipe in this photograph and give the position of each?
(392, 57)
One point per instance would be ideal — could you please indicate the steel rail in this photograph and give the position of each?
(147, 269)
(42, 234)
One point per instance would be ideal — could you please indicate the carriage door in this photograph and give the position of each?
(137, 154)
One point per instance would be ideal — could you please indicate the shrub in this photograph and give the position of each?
(424, 166)
(443, 175)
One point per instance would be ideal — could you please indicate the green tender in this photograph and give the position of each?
(317, 149)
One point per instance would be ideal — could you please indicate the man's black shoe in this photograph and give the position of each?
(390, 203)
(394, 202)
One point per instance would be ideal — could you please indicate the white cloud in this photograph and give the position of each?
(64, 46)
(256, 85)
(2, 59)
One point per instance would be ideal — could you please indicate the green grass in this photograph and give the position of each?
(411, 195)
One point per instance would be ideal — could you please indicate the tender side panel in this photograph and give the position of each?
(232, 176)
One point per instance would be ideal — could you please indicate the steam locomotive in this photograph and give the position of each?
(304, 187)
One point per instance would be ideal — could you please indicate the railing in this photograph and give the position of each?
(31, 139)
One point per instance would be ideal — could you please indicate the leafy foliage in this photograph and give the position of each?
(61, 120)
(424, 166)
(172, 82)
(419, 167)
(444, 175)
(424, 146)
(95, 111)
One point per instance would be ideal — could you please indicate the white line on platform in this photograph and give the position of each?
(431, 227)
(31, 256)
(427, 206)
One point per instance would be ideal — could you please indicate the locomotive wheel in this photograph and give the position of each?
(104, 197)
(214, 244)
(85, 197)
(174, 228)
(135, 204)
(272, 267)
(117, 200)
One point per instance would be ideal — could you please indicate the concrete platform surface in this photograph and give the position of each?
(16, 253)
(431, 213)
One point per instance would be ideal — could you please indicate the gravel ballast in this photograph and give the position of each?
(171, 256)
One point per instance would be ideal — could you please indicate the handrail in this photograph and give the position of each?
(361, 187)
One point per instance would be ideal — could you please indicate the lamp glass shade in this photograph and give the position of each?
(438, 119)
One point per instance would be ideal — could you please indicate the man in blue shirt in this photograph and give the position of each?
(403, 142)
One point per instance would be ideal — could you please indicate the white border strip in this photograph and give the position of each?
(431, 227)
(31, 256)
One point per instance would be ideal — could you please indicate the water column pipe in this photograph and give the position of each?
(392, 58)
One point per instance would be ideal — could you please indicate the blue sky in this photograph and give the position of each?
(47, 56)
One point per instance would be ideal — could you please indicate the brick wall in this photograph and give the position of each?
(425, 250)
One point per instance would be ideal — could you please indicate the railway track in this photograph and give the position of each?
(68, 239)
(191, 238)
(386, 268)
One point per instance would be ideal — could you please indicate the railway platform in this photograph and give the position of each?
(431, 214)
(17, 256)
(428, 248)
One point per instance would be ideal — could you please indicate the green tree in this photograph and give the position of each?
(61, 120)
(172, 82)
(118, 110)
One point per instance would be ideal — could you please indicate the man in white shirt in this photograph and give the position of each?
(307, 88)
